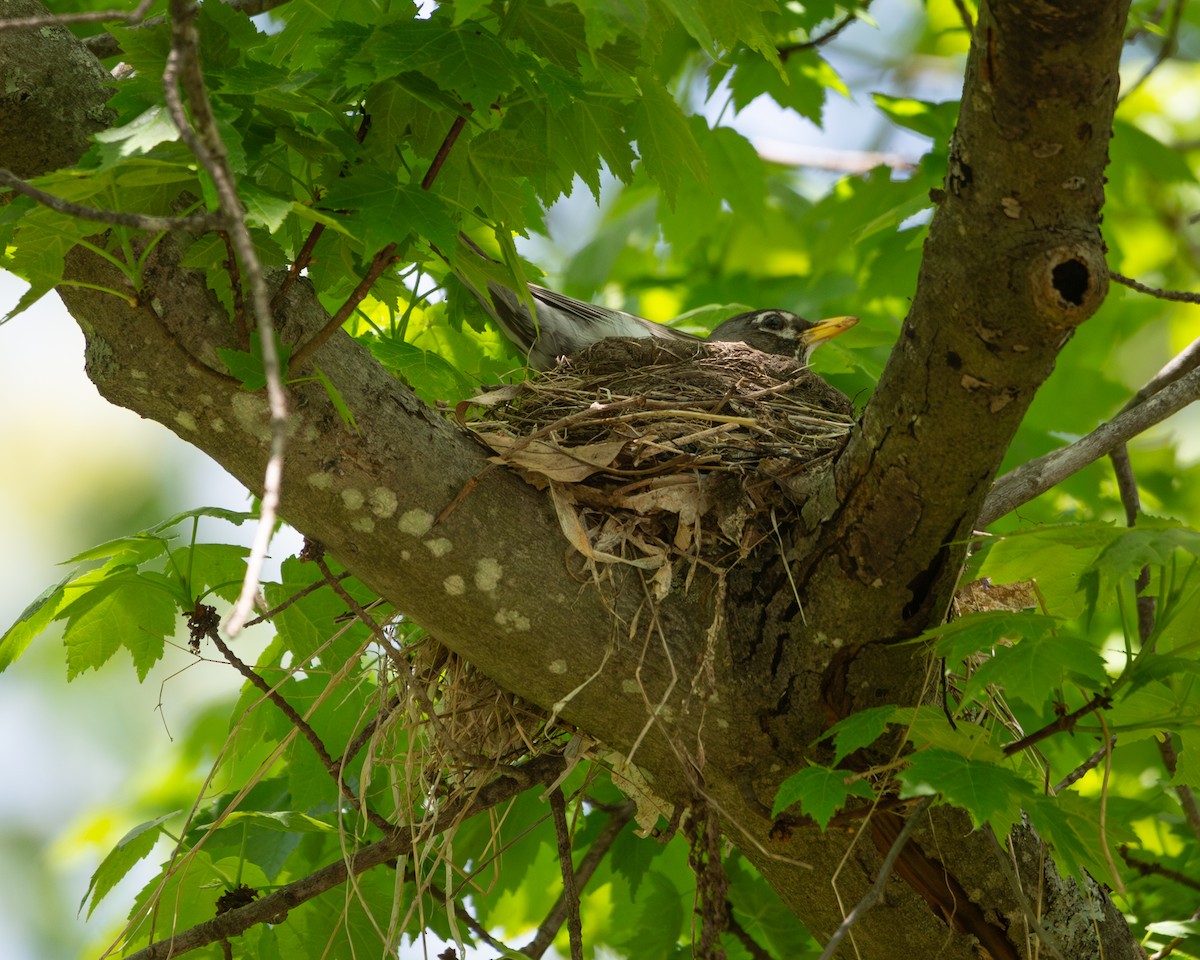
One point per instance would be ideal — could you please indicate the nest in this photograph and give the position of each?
(654, 449)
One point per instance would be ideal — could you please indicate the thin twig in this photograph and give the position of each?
(1186, 795)
(439, 158)
(875, 894)
(92, 16)
(204, 140)
(965, 15)
(820, 40)
(303, 259)
(622, 813)
(751, 946)
(105, 45)
(1066, 722)
(468, 918)
(1177, 296)
(140, 221)
(332, 767)
(562, 831)
(1037, 476)
(1157, 869)
(1166, 50)
(1183, 363)
(1078, 773)
(399, 842)
(298, 595)
(380, 262)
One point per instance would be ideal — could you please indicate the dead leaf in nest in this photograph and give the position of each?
(679, 494)
(576, 532)
(660, 583)
(547, 459)
(489, 398)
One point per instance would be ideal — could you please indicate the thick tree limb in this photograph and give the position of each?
(998, 296)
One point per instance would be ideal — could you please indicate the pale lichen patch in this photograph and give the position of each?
(217, 425)
(511, 620)
(319, 480)
(454, 585)
(363, 524)
(438, 546)
(487, 574)
(186, 421)
(251, 414)
(629, 686)
(383, 502)
(558, 666)
(353, 499)
(416, 522)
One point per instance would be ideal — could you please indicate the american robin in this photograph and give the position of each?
(565, 326)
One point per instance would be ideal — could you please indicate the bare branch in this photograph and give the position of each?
(1034, 478)
(1179, 296)
(1156, 869)
(875, 894)
(92, 16)
(439, 159)
(1187, 797)
(964, 15)
(1065, 722)
(1170, 45)
(105, 45)
(818, 41)
(183, 67)
(558, 810)
(380, 262)
(1089, 764)
(332, 767)
(399, 842)
(621, 815)
(139, 221)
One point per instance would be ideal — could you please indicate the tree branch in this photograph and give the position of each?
(140, 221)
(274, 907)
(596, 852)
(875, 894)
(1034, 478)
(204, 140)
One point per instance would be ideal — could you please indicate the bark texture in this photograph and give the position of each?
(1014, 262)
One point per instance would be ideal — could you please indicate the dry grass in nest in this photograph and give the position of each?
(654, 449)
(477, 725)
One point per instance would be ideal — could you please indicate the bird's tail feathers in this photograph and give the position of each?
(500, 286)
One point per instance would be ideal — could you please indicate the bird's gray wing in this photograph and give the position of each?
(565, 325)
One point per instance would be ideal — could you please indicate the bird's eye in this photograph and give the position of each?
(771, 321)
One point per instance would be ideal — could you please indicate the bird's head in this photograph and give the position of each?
(781, 332)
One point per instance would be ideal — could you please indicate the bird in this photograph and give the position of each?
(565, 326)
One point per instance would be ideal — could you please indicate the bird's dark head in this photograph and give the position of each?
(781, 332)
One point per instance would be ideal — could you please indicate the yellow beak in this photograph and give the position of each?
(824, 330)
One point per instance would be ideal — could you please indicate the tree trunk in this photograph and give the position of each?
(1014, 262)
